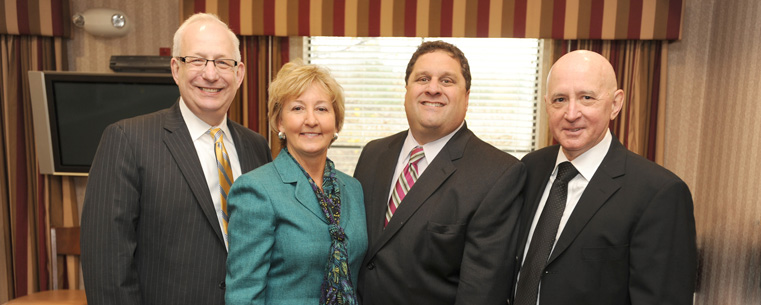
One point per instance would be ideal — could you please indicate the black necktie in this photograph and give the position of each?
(544, 237)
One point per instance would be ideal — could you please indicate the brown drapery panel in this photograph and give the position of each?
(641, 71)
(24, 218)
(555, 19)
(50, 18)
(264, 56)
(256, 53)
(30, 39)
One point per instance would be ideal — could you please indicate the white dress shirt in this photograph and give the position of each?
(430, 151)
(204, 143)
(587, 164)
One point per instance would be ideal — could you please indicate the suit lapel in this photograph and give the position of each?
(431, 180)
(177, 139)
(596, 194)
(386, 165)
(246, 159)
(538, 182)
(291, 173)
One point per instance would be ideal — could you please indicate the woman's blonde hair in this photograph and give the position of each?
(293, 80)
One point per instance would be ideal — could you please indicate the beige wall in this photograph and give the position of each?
(153, 25)
(713, 141)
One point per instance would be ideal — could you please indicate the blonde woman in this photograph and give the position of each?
(297, 225)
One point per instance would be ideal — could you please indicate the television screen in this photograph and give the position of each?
(71, 110)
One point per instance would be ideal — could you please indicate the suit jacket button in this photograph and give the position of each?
(370, 266)
(222, 285)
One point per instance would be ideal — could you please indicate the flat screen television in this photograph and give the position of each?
(71, 109)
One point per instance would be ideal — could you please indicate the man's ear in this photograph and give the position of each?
(618, 103)
(241, 72)
(175, 65)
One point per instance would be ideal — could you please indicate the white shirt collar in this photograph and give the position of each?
(588, 162)
(198, 127)
(430, 149)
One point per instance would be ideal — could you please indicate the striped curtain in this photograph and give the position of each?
(555, 19)
(256, 52)
(30, 39)
(24, 220)
(641, 72)
(263, 56)
(49, 18)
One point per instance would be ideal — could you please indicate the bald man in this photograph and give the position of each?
(601, 225)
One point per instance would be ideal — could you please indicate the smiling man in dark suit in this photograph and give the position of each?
(154, 219)
(601, 225)
(441, 204)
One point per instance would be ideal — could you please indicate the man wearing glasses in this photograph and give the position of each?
(154, 221)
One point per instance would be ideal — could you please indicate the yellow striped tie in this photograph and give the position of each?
(225, 172)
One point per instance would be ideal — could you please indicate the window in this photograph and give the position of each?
(503, 93)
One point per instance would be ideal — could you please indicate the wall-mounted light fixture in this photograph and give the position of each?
(103, 22)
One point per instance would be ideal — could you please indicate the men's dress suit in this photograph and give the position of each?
(630, 239)
(448, 241)
(279, 236)
(150, 233)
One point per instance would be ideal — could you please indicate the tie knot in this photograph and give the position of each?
(566, 171)
(216, 133)
(416, 154)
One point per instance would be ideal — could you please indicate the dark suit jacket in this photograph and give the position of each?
(449, 239)
(150, 234)
(630, 239)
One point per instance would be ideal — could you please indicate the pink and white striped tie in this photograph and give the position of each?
(405, 181)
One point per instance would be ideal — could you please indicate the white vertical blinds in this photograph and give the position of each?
(503, 93)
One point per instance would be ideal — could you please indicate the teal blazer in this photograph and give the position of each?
(278, 235)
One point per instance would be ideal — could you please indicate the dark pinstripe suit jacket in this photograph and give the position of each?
(150, 233)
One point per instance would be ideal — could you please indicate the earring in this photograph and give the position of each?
(335, 136)
(281, 135)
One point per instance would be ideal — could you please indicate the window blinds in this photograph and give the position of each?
(503, 94)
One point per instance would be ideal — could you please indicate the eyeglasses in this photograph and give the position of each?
(198, 63)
